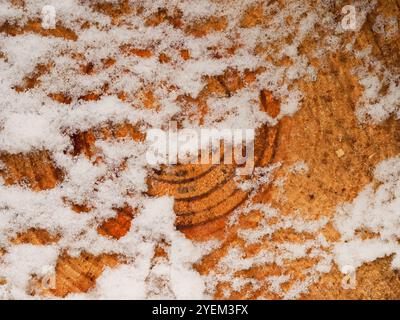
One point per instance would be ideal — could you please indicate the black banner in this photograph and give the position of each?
(191, 309)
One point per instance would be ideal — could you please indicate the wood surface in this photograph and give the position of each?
(206, 195)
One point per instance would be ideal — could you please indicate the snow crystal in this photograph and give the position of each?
(373, 210)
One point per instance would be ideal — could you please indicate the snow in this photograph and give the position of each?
(24, 132)
(155, 223)
(374, 210)
(30, 121)
(30, 260)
